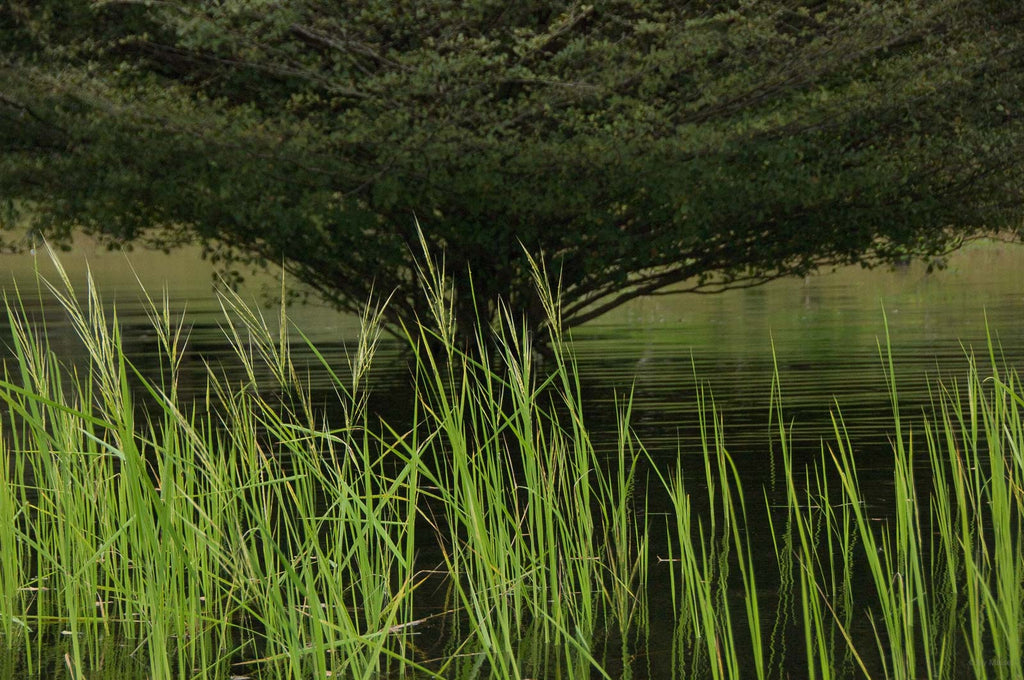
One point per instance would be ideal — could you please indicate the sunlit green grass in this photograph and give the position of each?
(244, 534)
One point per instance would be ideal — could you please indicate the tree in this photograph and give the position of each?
(631, 145)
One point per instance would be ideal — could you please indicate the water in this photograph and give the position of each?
(826, 335)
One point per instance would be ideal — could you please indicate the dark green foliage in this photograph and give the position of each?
(631, 145)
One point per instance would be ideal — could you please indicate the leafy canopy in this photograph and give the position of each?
(629, 144)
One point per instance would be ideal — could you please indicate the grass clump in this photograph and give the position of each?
(246, 533)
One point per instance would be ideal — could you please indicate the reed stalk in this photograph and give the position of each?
(242, 532)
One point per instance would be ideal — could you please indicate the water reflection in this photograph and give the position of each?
(828, 336)
(825, 334)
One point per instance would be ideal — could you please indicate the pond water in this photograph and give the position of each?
(825, 335)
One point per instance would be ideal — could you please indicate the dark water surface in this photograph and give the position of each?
(825, 334)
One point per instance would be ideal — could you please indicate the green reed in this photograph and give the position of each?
(242, 528)
(940, 581)
(242, 533)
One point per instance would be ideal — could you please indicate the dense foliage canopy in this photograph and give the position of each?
(630, 144)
